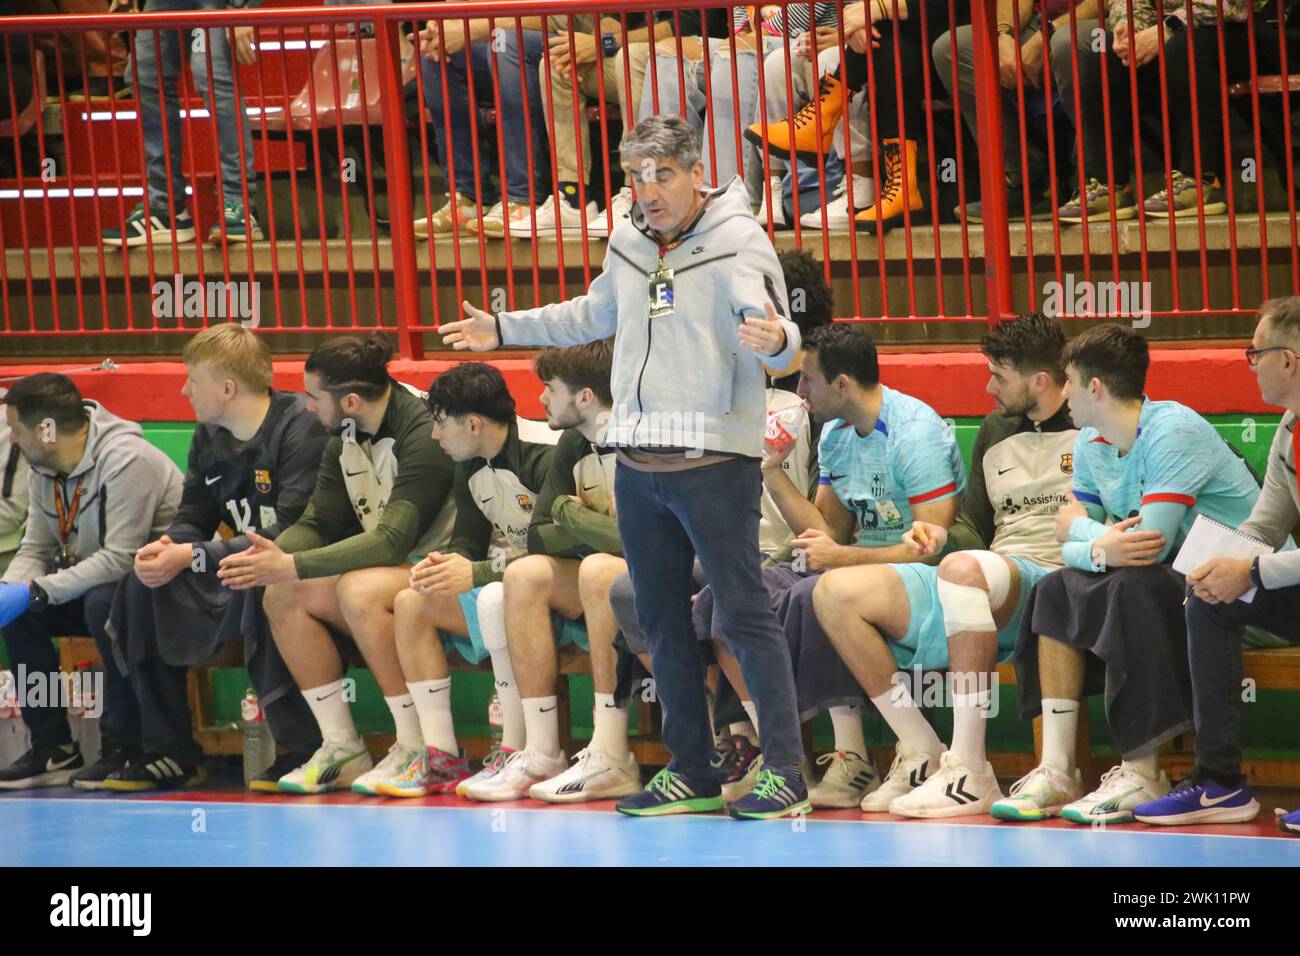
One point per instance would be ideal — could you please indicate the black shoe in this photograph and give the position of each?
(42, 767)
(269, 780)
(110, 761)
(1040, 197)
(155, 772)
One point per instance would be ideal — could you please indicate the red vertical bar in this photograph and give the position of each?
(988, 96)
(266, 167)
(358, 49)
(1287, 141)
(245, 162)
(341, 147)
(1259, 155)
(315, 133)
(423, 125)
(72, 198)
(405, 276)
(293, 180)
(532, 171)
(501, 167)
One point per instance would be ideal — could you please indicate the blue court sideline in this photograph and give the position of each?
(78, 832)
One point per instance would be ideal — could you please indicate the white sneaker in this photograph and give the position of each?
(465, 212)
(838, 215)
(492, 765)
(493, 222)
(620, 207)
(731, 792)
(955, 791)
(394, 764)
(333, 767)
(910, 769)
(779, 215)
(1039, 794)
(1122, 788)
(595, 775)
(847, 780)
(524, 768)
(570, 219)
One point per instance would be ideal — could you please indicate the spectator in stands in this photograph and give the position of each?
(964, 613)
(885, 459)
(13, 492)
(572, 519)
(1138, 47)
(1023, 52)
(501, 465)
(738, 758)
(890, 32)
(98, 493)
(383, 493)
(90, 61)
(722, 123)
(509, 52)
(158, 60)
(606, 58)
(252, 467)
(1151, 467)
(1220, 607)
(687, 486)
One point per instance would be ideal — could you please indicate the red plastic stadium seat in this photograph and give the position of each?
(321, 85)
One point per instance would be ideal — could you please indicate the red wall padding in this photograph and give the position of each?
(1213, 381)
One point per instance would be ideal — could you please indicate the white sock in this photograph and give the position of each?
(433, 707)
(1060, 724)
(332, 713)
(906, 720)
(847, 722)
(542, 724)
(753, 715)
(1148, 764)
(609, 727)
(407, 719)
(969, 715)
(512, 710)
(743, 728)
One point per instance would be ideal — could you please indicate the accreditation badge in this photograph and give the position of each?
(661, 293)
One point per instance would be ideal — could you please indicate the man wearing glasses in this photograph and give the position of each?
(1216, 612)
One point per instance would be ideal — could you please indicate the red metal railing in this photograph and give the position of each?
(336, 94)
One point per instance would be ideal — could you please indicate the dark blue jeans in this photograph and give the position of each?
(510, 113)
(666, 519)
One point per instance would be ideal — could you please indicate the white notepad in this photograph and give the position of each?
(1213, 539)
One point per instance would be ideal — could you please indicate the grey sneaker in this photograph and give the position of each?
(1099, 203)
(1184, 198)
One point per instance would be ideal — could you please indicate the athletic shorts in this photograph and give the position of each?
(925, 645)
(475, 651)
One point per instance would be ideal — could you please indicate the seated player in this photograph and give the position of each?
(501, 462)
(383, 493)
(963, 615)
(1216, 613)
(1151, 468)
(252, 467)
(885, 459)
(573, 518)
(738, 758)
(98, 491)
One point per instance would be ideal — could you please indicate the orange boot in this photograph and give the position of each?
(892, 200)
(800, 134)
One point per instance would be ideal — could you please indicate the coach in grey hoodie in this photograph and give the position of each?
(694, 295)
(98, 491)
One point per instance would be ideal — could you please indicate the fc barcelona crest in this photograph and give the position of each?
(1067, 463)
(525, 502)
(262, 480)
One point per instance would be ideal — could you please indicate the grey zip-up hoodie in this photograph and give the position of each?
(129, 498)
(1277, 509)
(681, 380)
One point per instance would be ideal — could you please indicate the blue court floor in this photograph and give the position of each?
(54, 829)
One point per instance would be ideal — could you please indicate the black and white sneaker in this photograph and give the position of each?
(110, 761)
(42, 767)
(155, 772)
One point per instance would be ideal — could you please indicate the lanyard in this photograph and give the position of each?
(67, 514)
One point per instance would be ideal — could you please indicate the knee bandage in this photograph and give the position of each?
(968, 608)
(491, 607)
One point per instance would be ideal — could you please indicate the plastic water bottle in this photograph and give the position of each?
(259, 745)
(15, 740)
(83, 712)
(496, 721)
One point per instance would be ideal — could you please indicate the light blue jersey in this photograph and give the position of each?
(1178, 458)
(909, 458)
